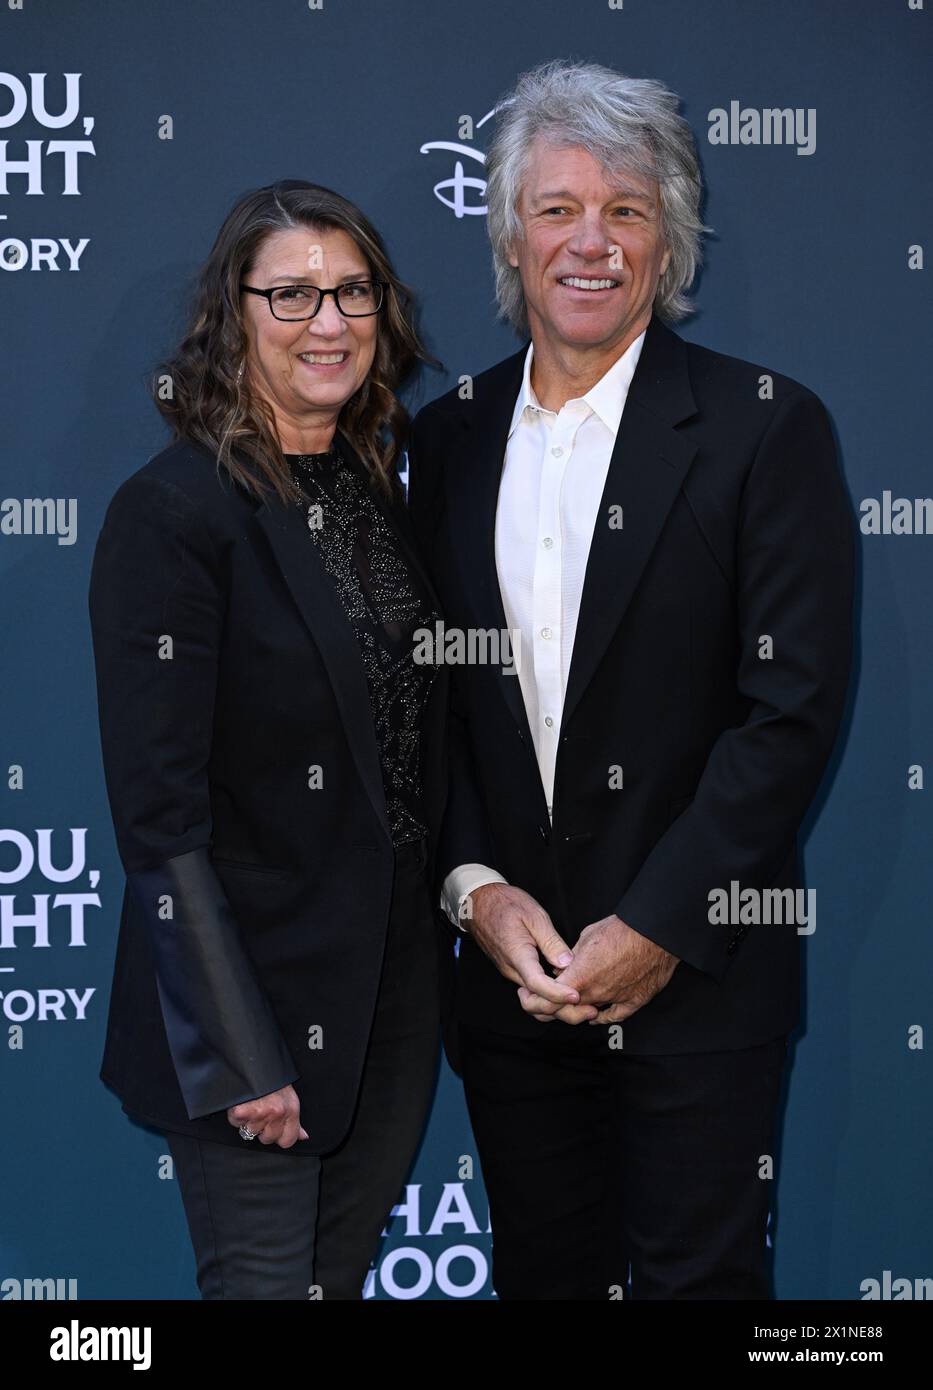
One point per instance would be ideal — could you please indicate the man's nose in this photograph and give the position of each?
(589, 239)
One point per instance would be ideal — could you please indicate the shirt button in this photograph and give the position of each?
(547, 542)
(548, 720)
(545, 633)
(557, 452)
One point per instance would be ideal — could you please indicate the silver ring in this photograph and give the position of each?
(246, 1133)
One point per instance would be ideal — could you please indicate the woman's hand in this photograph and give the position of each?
(275, 1117)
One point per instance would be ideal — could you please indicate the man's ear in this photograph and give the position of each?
(665, 260)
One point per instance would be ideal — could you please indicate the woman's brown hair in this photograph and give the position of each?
(203, 393)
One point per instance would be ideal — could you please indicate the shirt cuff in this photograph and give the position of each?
(460, 883)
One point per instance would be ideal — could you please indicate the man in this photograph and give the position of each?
(666, 529)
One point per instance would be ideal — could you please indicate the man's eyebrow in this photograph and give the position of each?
(630, 193)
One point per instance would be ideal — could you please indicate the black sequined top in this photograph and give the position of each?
(385, 601)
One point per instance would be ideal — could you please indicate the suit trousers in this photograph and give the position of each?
(274, 1224)
(599, 1165)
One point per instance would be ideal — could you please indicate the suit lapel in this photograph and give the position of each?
(313, 591)
(648, 465)
(475, 472)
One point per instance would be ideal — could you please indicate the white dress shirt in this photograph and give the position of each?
(552, 481)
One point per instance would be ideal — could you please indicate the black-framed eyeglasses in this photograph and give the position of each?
(356, 300)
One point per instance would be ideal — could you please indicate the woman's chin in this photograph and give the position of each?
(329, 396)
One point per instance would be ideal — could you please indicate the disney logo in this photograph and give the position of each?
(458, 186)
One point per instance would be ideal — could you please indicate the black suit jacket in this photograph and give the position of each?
(256, 906)
(735, 526)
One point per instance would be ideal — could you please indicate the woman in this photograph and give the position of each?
(274, 757)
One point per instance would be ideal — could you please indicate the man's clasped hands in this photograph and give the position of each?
(611, 972)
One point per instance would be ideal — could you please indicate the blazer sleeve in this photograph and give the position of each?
(464, 835)
(157, 607)
(794, 566)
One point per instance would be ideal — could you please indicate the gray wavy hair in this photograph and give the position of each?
(627, 124)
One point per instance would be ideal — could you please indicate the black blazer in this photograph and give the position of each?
(735, 525)
(256, 906)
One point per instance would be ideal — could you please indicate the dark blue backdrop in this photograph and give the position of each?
(815, 269)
